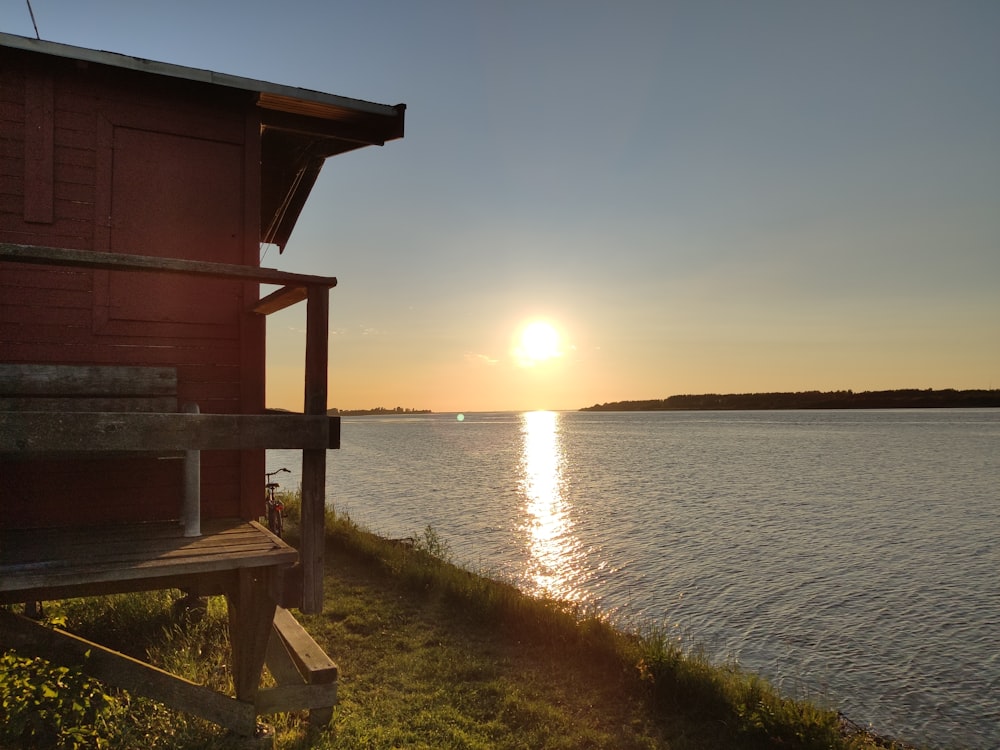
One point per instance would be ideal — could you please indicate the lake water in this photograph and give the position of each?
(851, 557)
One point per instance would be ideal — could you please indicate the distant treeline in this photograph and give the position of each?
(377, 410)
(898, 399)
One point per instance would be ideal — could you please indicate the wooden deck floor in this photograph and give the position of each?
(124, 555)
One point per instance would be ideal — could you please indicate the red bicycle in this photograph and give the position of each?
(275, 508)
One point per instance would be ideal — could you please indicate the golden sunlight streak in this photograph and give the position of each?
(539, 341)
(552, 545)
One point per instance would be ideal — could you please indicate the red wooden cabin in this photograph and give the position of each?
(134, 200)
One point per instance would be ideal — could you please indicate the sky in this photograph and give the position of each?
(695, 197)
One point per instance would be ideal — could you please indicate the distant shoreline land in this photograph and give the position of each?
(896, 399)
(377, 411)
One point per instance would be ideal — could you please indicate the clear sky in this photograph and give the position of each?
(698, 196)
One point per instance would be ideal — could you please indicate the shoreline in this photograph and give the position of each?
(892, 399)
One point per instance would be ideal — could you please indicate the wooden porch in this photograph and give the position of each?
(241, 560)
(90, 412)
(73, 423)
(64, 562)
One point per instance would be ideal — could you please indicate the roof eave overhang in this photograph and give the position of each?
(296, 139)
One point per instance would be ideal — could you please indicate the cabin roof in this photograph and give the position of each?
(300, 128)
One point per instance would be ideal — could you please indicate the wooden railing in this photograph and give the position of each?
(178, 431)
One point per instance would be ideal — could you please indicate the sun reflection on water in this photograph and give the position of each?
(552, 546)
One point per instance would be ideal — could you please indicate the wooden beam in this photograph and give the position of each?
(56, 256)
(306, 676)
(280, 663)
(280, 299)
(191, 496)
(317, 349)
(311, 661)
(358, 133)
(251, 612)
(204, 584)
(313, 525)
(24, 432)
(29, 638)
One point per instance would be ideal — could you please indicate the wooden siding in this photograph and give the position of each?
(134, 165)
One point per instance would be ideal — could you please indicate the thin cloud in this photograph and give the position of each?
(485, 359)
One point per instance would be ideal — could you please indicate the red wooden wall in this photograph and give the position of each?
(106, 159)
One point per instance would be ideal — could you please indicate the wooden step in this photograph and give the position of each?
(306, 676)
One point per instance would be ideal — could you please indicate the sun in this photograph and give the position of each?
(538, 342)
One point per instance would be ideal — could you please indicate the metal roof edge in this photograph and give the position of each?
(117, 60)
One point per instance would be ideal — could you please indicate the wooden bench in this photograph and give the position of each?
(66, 410)
(73, 411)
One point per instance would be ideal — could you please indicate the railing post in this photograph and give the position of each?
(191, 508)
(314, 461)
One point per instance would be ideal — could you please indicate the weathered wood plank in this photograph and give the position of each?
(137, 551)
(86, 380)
(251, 612)
(280, 299)
(51, 558)
(310, 659)
(119, 431)
(120, 262)
(119, 670)
(280, 663)
(313, 524)
(111, 573)
(142, 554)
(171, 349)
(218, 532)
(126, 404)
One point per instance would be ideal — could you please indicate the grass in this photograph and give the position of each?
(432, 656)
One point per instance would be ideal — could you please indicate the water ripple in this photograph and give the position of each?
(850, 557)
